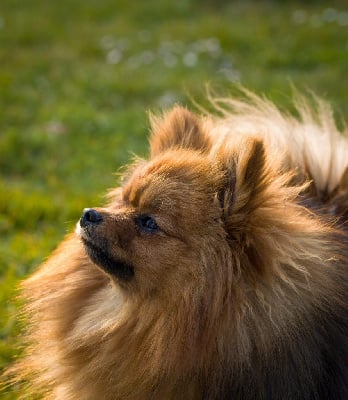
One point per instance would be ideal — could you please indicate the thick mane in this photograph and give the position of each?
(311, 143)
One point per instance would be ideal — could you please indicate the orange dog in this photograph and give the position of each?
(218, 270)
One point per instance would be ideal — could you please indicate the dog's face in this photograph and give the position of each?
(152, 233)
(174, 218)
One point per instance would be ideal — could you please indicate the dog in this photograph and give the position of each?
(216, 270)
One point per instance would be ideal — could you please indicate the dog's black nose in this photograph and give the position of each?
(90, 217)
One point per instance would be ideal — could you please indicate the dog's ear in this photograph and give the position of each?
(179, 128)
(246, 181)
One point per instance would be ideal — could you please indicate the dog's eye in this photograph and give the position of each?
(147, 223)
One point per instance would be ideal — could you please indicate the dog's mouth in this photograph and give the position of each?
(109, 264)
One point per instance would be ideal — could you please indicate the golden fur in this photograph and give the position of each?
(236, 292)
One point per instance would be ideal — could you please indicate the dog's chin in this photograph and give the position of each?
(112, 266)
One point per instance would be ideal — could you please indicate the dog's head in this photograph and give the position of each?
(175, 217)
(157, 225)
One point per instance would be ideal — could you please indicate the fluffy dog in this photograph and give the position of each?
(217, 270)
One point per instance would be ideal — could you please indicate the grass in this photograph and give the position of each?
(76, 79)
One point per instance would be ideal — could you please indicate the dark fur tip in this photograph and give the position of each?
(115, 267)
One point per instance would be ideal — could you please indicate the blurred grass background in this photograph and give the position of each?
(76, 79)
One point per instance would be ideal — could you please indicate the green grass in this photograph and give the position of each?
(76, 80)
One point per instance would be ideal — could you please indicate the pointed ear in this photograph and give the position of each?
(179, 128)
(244, 165)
